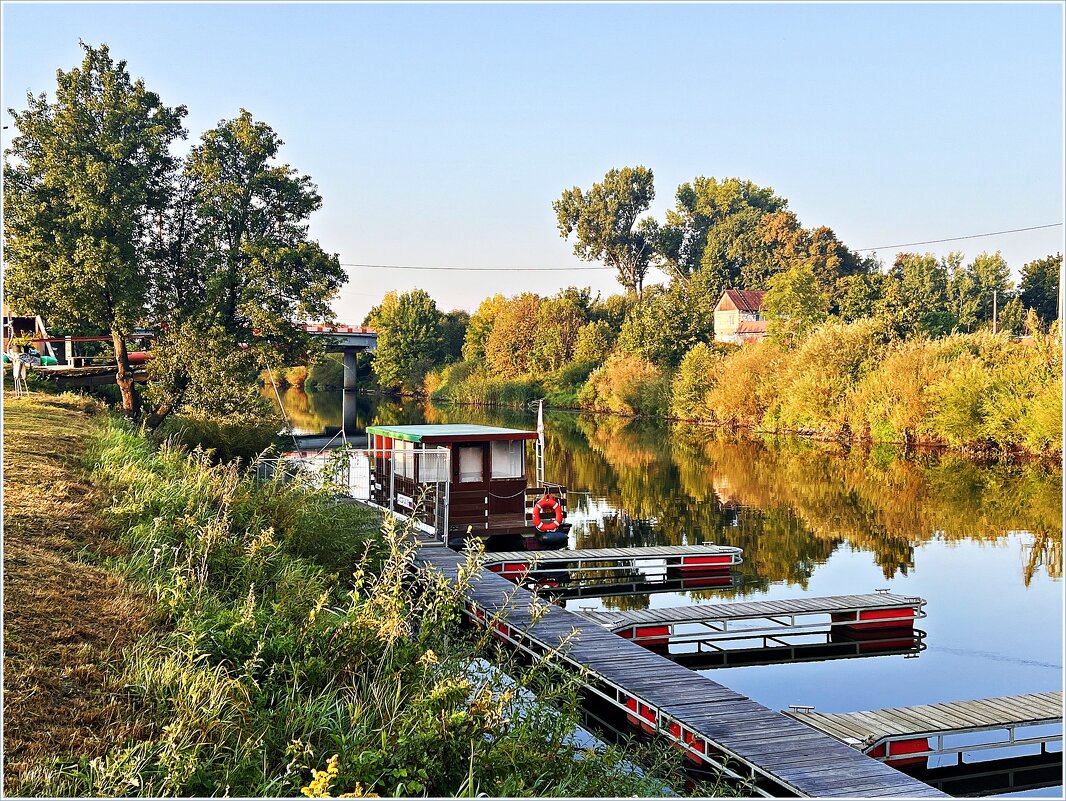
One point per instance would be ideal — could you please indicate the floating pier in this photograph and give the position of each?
(910, 735)
(614, 564)
(716, 727)
(716, 626)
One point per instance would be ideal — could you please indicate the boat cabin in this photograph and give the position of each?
(486, 490)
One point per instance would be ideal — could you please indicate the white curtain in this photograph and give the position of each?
(508, 459)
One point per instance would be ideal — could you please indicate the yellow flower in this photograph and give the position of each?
(428, 658)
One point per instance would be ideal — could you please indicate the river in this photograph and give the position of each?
(981, 542)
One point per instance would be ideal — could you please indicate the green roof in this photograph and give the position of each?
(450, 433)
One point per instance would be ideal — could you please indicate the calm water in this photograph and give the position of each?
(981, 543)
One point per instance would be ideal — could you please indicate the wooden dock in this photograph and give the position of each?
(613, 564)
(706, 625)
(913, 733)
(715, 725)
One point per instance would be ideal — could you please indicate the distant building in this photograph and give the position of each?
(738, 316)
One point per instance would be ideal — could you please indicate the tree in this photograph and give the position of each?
(915, 299)
(794, 304)
(410, 339)
(1040, 286)
(990, 275)
(88, 173)
(605, 220)
(509, 348)
(480, 326)
(713, 226)
(559, 321)
(858, 295)
(667, 323)
(453, 333)
(233, 257)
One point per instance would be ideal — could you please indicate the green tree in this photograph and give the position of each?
(605, 221)
(594, 344)
(794, 304)
(559, 321)
(509, 348)
(714, 226)
(236, 232)
(410, 339)
(990, 275)
(1040, 286)
(916, 296)
(82, 180)
(480, 326)
(858, 295)
(667, 323)
(1012, 317)
(453, 332)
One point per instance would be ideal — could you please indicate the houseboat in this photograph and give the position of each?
(483, 485)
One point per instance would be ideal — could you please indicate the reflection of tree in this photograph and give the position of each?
(1045, 551)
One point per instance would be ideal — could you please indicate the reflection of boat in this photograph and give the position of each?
(484, 482)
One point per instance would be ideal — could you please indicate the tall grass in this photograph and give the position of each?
(293, 654)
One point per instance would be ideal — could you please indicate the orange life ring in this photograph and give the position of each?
(552, 512)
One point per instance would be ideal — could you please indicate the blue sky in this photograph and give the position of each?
(440, 134)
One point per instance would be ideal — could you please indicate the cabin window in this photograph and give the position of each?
(434, 467)
(508, 459)
(405, 459)
(470, 464)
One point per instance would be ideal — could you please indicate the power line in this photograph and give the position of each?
(956, 238)
(592, 268)
(478, 269)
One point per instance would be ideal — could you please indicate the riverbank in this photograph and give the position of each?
(972, 393)
(277, 648)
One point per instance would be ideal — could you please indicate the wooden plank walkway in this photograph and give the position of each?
(865, 730)
(719, 724)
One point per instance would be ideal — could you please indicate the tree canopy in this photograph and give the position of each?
(605, 219)
(82, 180)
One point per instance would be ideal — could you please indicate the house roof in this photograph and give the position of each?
(450, 433)
(751, 327)
(746, 300)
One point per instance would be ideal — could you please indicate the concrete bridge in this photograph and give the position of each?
(348, 340)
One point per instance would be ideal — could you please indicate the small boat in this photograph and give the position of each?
(487, 492)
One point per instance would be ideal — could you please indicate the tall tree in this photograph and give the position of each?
(1040, 286)
(915, 299)
(82, 180)
(235, 264)
(605, 220)
(990, 276)
(410, 339)
(714, 226)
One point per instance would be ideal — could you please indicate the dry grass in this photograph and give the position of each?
(66, 621)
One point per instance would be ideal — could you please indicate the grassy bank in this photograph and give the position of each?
(279, 648)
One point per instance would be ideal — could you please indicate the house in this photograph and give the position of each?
(738, 316)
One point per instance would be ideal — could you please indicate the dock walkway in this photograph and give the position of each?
(672, 555)
(875, 729)
(710, 721)
(715, 622)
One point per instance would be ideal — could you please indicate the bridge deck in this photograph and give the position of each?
(782, 754)
(865, 729)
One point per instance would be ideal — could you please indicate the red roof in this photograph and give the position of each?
(746, 300)
(751, 327)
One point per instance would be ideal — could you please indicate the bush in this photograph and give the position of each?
(700, 371)
(627, 385)
(749, 392)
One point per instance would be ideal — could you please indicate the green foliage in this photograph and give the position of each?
(915, 299)
(1011, 318)
(480, 326)
(1039, 289)
(699, 372)
(666, 324)
(559, 321)
(87, 174)
(477, 384)
(453, 334)
(794, 304)
(225, 439)
(605, 221)
(627, 385)
(509, 349)
(296, 656)
(410, 339)
(595, 341)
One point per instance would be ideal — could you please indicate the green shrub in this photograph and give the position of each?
(700, 371)
(226, 438)
(627, 385)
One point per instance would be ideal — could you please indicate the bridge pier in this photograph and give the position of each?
(349, 397)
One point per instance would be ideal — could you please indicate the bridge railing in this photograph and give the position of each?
(411, 484)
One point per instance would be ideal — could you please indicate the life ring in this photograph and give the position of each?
(547, 513)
